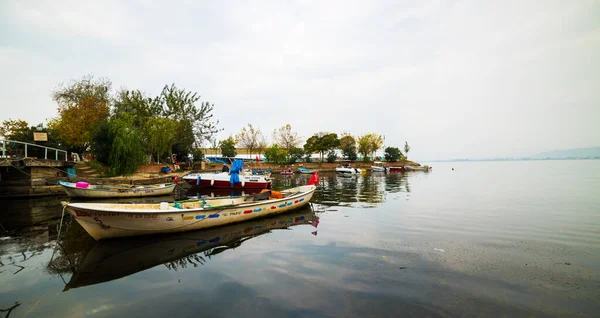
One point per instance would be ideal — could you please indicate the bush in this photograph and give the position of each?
(331, 156)
(392, 154)
(275, 154)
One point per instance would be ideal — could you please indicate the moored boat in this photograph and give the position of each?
(235, 178)
(286, 172)
(418, 168)
(397, 169)
(348, 170)
(306, 170)
(114, 259)
(107, 220)
(86, 190)
(378, 166)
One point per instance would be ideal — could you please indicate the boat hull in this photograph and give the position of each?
(118, 192)
(110, 223)
(397, 169)
(114, 259)
(419, 168)
(378, 169)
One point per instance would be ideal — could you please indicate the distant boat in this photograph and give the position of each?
(348, 170)
(378, 166)
(418, 168)
(109, 220)
(306, 170)
(86, 190)
(287, 172)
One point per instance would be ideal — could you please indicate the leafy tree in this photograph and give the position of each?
(331, 156)
(275, 154)
(406, 149)
(392, 154)
(249, 138)
(101, 143)
(285, 138)
(136, 104)
(321, 143)
(82, 107)
(376, 143)
(369, 144)
(180, 105)
(364, 146)
(127, 151)
(161, 137)
(295, 154)
(15, 129)
(228, 147)
(348, 146)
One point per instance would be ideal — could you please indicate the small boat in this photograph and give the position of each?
(86, 190)
(287, 172)
(108, 220)
(306, 170)
(236, 178)
(113, 259)
(418, 168)
(379, 166)
(348, 170)
(397, 169)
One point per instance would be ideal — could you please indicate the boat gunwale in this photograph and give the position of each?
(176, 210)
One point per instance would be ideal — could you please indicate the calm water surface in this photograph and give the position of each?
(487, 239)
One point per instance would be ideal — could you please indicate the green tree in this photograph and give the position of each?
(127, 151)
(181, 105)
(160, 136)
(364, 146)
(83, 106)
(321, 143)
(228, 147)
(392, 154)
(295, 154)
(348, 147)
(331, 156)
(15, 129)
(275, 154)
(406, 149)
(369, 144)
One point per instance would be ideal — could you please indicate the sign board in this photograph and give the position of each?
(38, 136)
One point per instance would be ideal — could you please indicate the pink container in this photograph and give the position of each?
(81, 184)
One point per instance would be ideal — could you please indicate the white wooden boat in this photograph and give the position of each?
(85, 190)
(108, 220)
(114, 259)
(348, 170)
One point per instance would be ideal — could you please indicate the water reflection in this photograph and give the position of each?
(93, 262)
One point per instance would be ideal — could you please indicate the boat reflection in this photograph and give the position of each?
(113, 259)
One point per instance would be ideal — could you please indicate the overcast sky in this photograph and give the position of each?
(453, 78)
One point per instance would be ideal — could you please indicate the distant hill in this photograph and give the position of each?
(569, 153)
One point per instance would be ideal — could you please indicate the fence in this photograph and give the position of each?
(19, 149)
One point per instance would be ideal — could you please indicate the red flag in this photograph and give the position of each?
(314, 179)
(257, 159)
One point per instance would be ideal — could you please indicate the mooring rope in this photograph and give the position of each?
(59, 230)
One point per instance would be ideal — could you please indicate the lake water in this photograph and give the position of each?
(485, 239)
